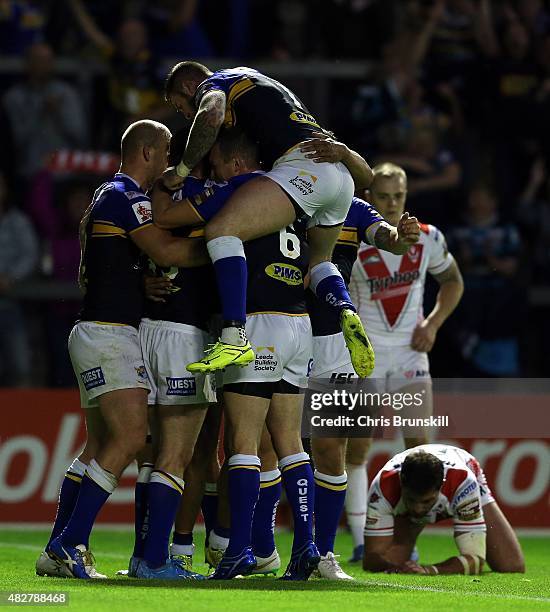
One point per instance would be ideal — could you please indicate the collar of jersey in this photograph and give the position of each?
(121, 174)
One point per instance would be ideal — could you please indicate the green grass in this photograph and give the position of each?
(19, 550)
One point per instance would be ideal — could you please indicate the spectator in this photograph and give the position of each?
(18, 259)
(135, 80)
(45, 114)
(21, 25)
(492, 308)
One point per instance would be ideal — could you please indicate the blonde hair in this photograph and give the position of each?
(389, 170)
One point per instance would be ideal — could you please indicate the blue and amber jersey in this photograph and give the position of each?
(277, 264)
(194, 297)
(111, 268)
(267, 111)
(360, 226)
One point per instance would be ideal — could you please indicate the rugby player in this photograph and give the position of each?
(266, 390)
(294, 189)
(104, 345)
(388, 290)
(428, 484)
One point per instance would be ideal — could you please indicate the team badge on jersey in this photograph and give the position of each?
(142, 211)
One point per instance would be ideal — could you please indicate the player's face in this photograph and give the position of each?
(183, 104)
(418, 505)
(388, 196)
(222, 169)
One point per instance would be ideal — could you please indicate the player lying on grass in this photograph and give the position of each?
(294, 189)
(428, 484)
(104, 345)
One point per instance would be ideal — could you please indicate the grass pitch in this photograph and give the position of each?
(530, 591)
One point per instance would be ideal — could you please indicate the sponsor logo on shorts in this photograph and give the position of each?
(181, 386)
(469, 510)
(92, 378)
(265, 359)
(142, 211)
(371, 520)
(303, 118)
(141, 372)
(342, 377)
(416, 373)
(374, 498)
(291, 275)
(302, 184)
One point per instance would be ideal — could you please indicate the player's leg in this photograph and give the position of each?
(263, 525)
(356, 494)
(504, 552)
(284, 423)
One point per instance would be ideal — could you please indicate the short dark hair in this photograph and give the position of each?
(188, 70)
(422, 472)
(233, 142)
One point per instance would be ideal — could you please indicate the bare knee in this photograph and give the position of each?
(329, 455)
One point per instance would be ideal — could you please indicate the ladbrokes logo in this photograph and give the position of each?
(386, 282)
(304, 185)
(291, 275)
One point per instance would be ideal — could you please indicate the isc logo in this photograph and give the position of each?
(341, 378)
(291, 275)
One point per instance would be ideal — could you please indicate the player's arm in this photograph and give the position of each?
(204, 131)
(168, 213)
(398, 240)
(325, 149)
(451, 288)
(382, 554)
(166, 250)
(89, 27)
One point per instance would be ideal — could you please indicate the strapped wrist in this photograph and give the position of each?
(182, 170)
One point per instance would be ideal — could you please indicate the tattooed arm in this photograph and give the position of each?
(397, 240)
(203, 134)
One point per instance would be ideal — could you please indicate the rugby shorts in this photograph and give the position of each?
(167, 349)
(323, 191)
(106, 357)
(282, 344)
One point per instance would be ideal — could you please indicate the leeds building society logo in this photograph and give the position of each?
(291, 275)
(304, 185)
(266, 360)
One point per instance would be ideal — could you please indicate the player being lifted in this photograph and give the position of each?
(294, 189)
(104, 345)
(431, 483)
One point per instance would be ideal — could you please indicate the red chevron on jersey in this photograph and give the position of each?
(390, 485)
(453, 479)
(392, 291)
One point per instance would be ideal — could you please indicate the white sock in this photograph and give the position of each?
(216, 541)
(234, 335)
(356, 501)
(182, 549)
(101, 477)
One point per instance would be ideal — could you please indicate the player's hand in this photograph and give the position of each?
(410, 567)
(322, 149)
(423, 337)
(171, 179)
(156, 287)
(408, 230)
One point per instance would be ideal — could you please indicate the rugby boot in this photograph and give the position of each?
(72, 557)
(221, 355)
(268, 565)
(231, 567)
(302, 563)
(358, 343)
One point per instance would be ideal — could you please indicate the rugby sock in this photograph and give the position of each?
(209, 507)
(300, 491)
(141, 509)
(329, 286)
(227, 255)
(68, 494)
(356, 501)
(164, 497)
(244, 488)
(263, 525)
(219, 538)
(182, 544)
(97, 484)
(330, 493)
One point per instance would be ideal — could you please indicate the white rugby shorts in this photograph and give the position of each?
(323, 191)
(167, 349)
(282, 344)
(106, 358)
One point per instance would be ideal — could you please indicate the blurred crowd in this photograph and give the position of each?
(457, 92)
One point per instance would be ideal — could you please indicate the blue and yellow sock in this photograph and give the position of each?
(263, 525)
(300, 491)
(68, 494)
(244, 489)
(164, 494)
(330, 494)
(141, 508)
(209, 507)
(329, 286)
(227, 255)
(95, 489)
